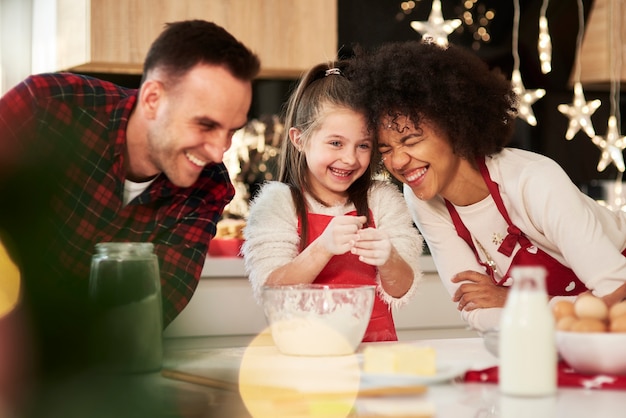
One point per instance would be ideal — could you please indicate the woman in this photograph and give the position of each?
(443, 119)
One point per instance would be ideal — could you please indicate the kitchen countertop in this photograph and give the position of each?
(233, 267)
(449, 399)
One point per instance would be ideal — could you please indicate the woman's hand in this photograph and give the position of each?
(617, 296)
(373, 246)
(341, 233)
(478, 291)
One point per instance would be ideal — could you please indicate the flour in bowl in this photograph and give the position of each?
(333, 333)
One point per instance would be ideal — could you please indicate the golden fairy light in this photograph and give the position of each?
(525, 98)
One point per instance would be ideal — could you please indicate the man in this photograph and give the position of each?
(84, 161)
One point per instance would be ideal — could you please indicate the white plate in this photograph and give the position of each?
(445, 372)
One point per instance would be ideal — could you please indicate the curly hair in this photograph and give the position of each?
(452, 88)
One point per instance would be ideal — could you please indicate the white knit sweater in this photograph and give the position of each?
(272, 239)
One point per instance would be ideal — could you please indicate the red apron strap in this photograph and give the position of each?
(463, 232)
(514, 234)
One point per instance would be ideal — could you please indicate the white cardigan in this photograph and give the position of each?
(272, 239)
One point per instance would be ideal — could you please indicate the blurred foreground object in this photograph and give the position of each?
(15, 359)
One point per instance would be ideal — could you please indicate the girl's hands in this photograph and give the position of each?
(478, 291)
(341, 233)
(373, 246)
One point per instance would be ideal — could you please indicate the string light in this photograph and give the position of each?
(580, 111)
(476, 18)
(526, 98)
(544, 43)
(436, 28)
(612, 144)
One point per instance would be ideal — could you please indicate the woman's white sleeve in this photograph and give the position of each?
(573, 224)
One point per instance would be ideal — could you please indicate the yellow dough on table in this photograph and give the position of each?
(9, 282)
(399, 358)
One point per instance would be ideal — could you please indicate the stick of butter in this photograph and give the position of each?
(399, 358)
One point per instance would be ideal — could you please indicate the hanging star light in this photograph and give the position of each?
(579, 113)
(525, 98)
(611, 146)
(436, 28)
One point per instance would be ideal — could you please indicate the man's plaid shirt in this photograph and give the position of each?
(62, 142)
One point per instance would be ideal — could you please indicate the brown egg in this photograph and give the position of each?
(618, 309)
(588, 325)
(565, 323)
(618, 324)
(562, 309)
(591, 307)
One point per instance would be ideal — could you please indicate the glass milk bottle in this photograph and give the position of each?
(125, 292)
(527, 349)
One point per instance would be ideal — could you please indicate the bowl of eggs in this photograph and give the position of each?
(591, 336)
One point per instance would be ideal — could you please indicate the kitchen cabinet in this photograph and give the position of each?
(113, 36)
(223, 304)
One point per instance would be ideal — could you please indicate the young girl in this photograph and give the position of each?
(326, 220)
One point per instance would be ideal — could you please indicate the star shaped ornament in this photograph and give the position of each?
(526, 98)
(436, 28)
(579, 113)
(611, 146)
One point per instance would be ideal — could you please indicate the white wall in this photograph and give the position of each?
(44, 46)
(15, 41)
(27, 39)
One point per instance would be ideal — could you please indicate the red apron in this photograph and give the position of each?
(347, 269)
(560, 280)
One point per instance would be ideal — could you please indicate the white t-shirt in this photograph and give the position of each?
(133, 189)
(542, 202)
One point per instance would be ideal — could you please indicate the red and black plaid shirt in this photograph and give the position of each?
(62, 142)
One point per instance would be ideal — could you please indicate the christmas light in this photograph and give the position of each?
(526, 98)
(579, 113)
(611, 146)
(436, 28)
(544, 45)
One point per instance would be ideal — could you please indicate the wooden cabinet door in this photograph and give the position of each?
(113, 36)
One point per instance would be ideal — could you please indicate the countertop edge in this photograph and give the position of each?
(222, 267)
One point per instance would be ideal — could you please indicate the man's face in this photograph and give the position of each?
(193, 122)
